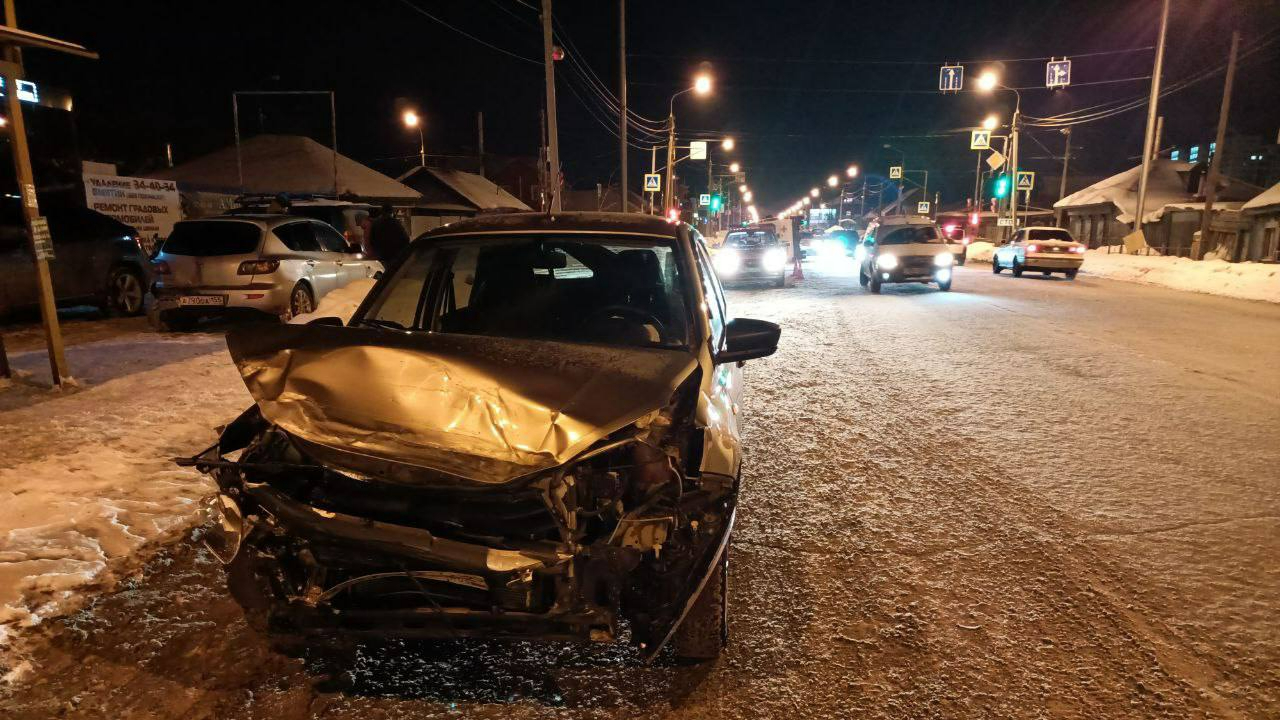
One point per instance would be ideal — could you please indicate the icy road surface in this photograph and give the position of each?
(1026, 498)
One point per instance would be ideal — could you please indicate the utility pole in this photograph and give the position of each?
(553, 134)
(1148, 137)
(653, 168)
(1062, 185)
(622, 97)
(1215, 162)
(543, 175)
(42, 249)
(669, 196)
(1013, 166)
(480, 132)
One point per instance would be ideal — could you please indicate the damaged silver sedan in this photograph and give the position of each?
(529, 429)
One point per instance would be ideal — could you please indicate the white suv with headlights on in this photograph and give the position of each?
(901, 249)
(752, 255)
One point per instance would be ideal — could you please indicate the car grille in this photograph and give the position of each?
(917, 265)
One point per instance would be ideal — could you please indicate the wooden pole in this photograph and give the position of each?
(553, 132)
(11, 69)
(1215, 162)
(622, 98)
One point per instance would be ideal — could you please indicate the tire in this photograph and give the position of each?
(781, 282)
(874, 285)
(862, 278)
(301, 302)
(1047, 273)
(1071, 274)
(172, 321)
(1017, 268)
(995, 265)
(961, 260)
(126, 292)
(705, 630)
(945, 286)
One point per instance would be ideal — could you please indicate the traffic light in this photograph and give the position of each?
(716, 203)
(1001, 187)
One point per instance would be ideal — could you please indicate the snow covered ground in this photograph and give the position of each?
(86, 480)
(1245, 280)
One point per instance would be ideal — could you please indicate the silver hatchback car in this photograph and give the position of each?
(277, 265)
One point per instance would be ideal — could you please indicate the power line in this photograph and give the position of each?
(468, 35)
(819, 61)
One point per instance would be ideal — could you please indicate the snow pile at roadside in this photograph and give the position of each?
(1244, 280)
(341, 303)
(87, 480)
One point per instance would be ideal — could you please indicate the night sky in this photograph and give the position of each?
(805, 87)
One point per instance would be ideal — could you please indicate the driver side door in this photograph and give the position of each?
(722, 449)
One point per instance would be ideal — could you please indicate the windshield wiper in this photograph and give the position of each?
(380, 323)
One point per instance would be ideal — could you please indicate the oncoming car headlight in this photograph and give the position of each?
(888, 261)
(727, 261)
(944, 259)
(774, 259)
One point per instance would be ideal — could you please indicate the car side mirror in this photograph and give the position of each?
(747, 339)
(331, 321)
(377, 275)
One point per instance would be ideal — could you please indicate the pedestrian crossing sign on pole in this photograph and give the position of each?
(895, 172)
(704, 199)
(652, 182)
(980, 140)
(1026, 180)
(951, 78)
(922, 207)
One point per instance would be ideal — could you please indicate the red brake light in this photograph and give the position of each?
(257, 267)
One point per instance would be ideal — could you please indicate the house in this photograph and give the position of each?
(1103, 213)
(447, 196)
(602, 198)
(1262, 218)
(274, 164)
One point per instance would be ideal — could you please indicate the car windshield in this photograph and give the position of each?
(750, 239)
(610, 289)
(1050, 234)
(909, 234)
(204, 239)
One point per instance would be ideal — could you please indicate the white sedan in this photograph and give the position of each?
(1043, 249)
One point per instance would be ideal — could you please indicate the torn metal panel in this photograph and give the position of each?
(485, 410)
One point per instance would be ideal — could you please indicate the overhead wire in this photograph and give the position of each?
(409, 4)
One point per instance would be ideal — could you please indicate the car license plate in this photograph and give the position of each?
(202, 300)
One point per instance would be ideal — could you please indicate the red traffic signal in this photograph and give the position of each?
(557, 53)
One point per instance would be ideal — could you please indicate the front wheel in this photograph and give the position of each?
(995, 265)
(945, 286)
(125, 292)
(961, 260)
(862, 278)
(705, 630)
(781, 281)
(874, 284)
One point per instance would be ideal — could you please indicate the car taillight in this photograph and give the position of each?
(1078, 249)
(1032, 248)
(160, 268)
(258, 267)
(964, 241)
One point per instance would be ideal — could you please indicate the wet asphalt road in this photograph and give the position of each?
(1025, 498)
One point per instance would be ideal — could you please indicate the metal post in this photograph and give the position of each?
(235, 119)
(1062, 185)
(977, 181)
(553, 134)
(1013, 161)
(333, 125)
(422, 146)
(12, 70)
(1152, 107)
(622, 98)
(668, 195)
(480, 132)
(653, 168)
(1215, 161)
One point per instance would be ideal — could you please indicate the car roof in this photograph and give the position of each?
(1044, 227)
(266, 219)
(905, 220)
(602, 222)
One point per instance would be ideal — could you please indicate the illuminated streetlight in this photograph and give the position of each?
(987, 81)
(702, 84)
(734, 167)
(727, 143)
(746, 196)
(806, 201)
(990, 123)
(813, 192)
(852, 171)
(742, 188)
(4, 121)
(833, 181)
(413, 120)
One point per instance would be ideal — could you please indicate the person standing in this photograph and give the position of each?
(387, 237)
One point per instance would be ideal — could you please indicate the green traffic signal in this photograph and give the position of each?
(1001, 187)
(716, 203)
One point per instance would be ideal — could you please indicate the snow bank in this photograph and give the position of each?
(1245, 280)
(339, 303)
(86, 478)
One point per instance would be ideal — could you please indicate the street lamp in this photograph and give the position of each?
(746, 196)
(806, 201)
(734, 167)
(991, 122)
(742, 188)
(833, 181)
(813, 192)
(701, 86)
(727, 144)
(852, 171)
(413, 120)
(988, 81)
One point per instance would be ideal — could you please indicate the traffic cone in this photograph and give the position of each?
(798, 272)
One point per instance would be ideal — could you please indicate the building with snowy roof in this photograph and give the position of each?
(1262, 215)
(447, 196)
(1103, 213)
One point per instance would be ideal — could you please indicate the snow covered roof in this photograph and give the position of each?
(474, 189)
(283, 163)
(1166, 187)
(1268, 198)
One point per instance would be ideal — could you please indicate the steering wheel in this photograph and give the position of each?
(631, 313)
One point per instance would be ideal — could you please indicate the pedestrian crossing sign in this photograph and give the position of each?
(1026, 180)
(980, 140)
(652, 182)
(922, 207)
(895, 172)
(704, 199)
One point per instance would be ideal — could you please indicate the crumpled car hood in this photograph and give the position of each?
(471, 408)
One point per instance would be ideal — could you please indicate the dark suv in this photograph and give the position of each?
(97, 261)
